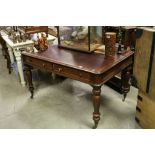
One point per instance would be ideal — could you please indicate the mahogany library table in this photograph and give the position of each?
(91, 68)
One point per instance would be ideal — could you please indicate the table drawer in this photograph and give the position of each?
(71, 72)
(39, 63)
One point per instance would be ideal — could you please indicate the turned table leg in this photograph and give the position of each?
(29, 79)
(125, 82)
(96, 102)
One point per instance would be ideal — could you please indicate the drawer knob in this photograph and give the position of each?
(59, 69)
(43, 65)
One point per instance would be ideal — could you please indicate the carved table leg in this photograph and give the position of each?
(96, 103)
(29, 79)
(17, 54)
(125, 82)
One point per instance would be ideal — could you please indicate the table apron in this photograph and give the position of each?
(76, 74)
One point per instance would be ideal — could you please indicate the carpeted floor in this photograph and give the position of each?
(60, 103)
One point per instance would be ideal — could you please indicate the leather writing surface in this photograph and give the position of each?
(90, 62)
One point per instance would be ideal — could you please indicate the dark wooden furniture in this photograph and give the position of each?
(33, 29)
(93, 69)
(5, 53)
(129, 36)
